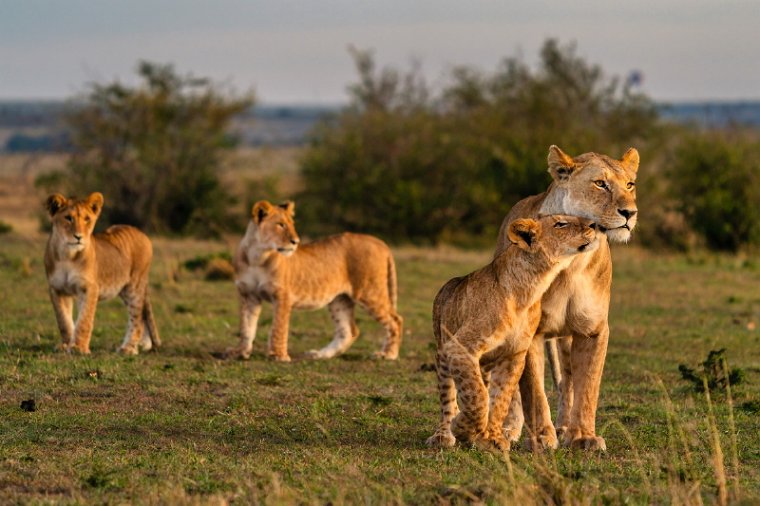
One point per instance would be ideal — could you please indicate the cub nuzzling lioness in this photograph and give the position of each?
(485, 322)
(95, 267)
(339, 271)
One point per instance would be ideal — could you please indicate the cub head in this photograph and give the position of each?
(275, 226)
(74, 219)
(597, 187)
(556, 235)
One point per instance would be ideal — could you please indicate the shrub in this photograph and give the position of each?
(406, 162)
(153, 150)
(716, 181)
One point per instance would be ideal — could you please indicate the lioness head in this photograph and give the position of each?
(555, 235)
(275, 226)
(74, 219)
(596, 187)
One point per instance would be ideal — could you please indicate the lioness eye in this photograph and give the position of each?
(560, 224)
(281, 225)
(69, 219)
(630, 185)
(601, 183)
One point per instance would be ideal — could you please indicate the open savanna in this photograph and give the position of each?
(181, 426)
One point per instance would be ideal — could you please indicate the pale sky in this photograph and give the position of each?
(296, 51)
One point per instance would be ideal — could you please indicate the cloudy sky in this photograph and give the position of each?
(296, 51)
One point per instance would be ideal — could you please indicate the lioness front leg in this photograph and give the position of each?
(277, 348)
(541, 433)
(565, 385)
(250, 309)
(88, 303)
(587, 356)
(63, 305)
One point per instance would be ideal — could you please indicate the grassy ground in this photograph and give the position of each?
(181, 426)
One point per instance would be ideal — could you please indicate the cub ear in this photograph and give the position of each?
(260, 210)
(290, 207)
(95, 202)
(630, 160)
(54, 203)
(523, 233)
(561, 165)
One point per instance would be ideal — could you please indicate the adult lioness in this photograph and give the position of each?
(96, 267)
(602, 189)
(338, 271)
(486, 320)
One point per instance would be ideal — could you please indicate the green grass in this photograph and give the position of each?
(181, 426)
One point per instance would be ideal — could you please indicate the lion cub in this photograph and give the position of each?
(485, 321)
(96, 267)
(338, 271)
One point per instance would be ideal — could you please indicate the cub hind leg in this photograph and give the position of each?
(382, 311)
(134, 298)
(342, 313)
(443, 437)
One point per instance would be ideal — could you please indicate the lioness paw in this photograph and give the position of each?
(382, 355)
(591, 443)
(280, 358)
(316, 354)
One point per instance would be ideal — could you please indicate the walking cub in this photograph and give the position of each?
(97, 267)
(338, 271)
(485, 322)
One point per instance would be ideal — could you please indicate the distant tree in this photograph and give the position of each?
(409, 162)
(153, 150)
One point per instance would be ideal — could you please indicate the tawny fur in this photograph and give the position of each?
(484, 324)
(96, 267)
(575, 307)
(338, 271)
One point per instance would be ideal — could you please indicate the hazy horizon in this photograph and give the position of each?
(295, 53)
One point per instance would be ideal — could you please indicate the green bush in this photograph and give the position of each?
(407, 162)
(153, 151)
(715, 178)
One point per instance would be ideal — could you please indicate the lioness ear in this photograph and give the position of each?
(630, 160)
(290, 207)
(95, 202)
(523, 233)
(560, 164)
(260, 210)
(54, 203)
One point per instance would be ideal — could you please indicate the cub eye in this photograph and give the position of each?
(87, 219)
(630, 185)
(560, 224)
(69, 219)
(281, 225)
(600, 183)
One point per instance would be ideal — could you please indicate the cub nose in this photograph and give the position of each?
(627, 213)
(294, 242)
(592, 225)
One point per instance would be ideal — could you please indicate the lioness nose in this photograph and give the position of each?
(77, 236)
(627, 213)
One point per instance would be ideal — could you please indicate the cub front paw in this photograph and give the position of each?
(237, 352)
(441, 439)
(280, 358)
(128, 350)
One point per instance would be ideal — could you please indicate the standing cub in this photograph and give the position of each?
(338, 271)
(486, 320)
(97, 267)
